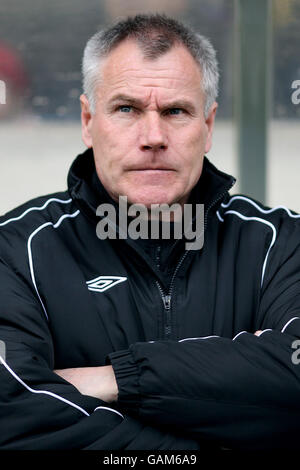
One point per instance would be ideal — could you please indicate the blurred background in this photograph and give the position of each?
(41, 45)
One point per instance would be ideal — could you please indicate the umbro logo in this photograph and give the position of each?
(102, 283)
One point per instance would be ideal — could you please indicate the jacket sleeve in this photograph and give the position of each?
(243, 392)
(40, 410)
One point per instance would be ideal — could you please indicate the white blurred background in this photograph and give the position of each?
(40, 54)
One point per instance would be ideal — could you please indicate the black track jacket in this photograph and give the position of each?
(190, 371)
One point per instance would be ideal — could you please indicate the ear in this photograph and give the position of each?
(86, 121)
(210, 120)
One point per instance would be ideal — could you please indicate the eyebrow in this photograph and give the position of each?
(127, 98)
(180, 103)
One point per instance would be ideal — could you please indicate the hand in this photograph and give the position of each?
(257, 333)
(98, 382)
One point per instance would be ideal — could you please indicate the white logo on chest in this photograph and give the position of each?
(102, 283)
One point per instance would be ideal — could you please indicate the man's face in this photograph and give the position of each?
(149, 134)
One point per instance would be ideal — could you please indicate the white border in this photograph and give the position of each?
(109, 409)
(257, 219)
(264, 211)
(29, 250)
(287, 324)
(53, 199)
(44, 392)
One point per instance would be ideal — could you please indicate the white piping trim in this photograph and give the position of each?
(264, 211)
(266, 222)
(290, 321)
(240, 333)
(201, 337)
(57, 224)
(29, 250)
(44, 392)
(35, 209)
(263, 331)
(219, 217)
(109, 409)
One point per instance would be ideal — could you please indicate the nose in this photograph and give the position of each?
(153, 133)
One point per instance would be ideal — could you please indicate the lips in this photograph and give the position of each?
(151, 169)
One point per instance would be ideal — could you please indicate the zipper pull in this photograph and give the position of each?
(167, 302)
(167, 305)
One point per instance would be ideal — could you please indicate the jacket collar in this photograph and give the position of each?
(87, 190)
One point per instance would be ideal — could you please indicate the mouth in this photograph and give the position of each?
(151, 169)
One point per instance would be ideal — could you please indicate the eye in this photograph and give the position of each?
(175, 111)
(124, 108)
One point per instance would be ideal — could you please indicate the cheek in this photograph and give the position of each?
(199, 136)
(105, 146)
(192, 136)
(191, 146)
(114, 139)
(192, 154)
(111, 154)
(102, 134)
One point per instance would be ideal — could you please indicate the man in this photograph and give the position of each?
(143, 344)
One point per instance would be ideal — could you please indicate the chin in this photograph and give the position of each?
(149, 199)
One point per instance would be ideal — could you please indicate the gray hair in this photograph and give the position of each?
(155, 34)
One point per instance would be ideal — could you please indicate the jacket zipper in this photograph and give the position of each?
(215, 202)
(166, 298)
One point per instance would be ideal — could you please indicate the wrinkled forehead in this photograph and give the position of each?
(127, 66)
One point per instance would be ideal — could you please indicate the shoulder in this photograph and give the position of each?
(277, 229)
(21, 222)
(246, 208)
(274, 232)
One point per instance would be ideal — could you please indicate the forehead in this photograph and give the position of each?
(127, 68)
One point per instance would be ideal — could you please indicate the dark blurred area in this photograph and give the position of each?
(15, 80)
(41, 45)
(286, 56)
(49, 38)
